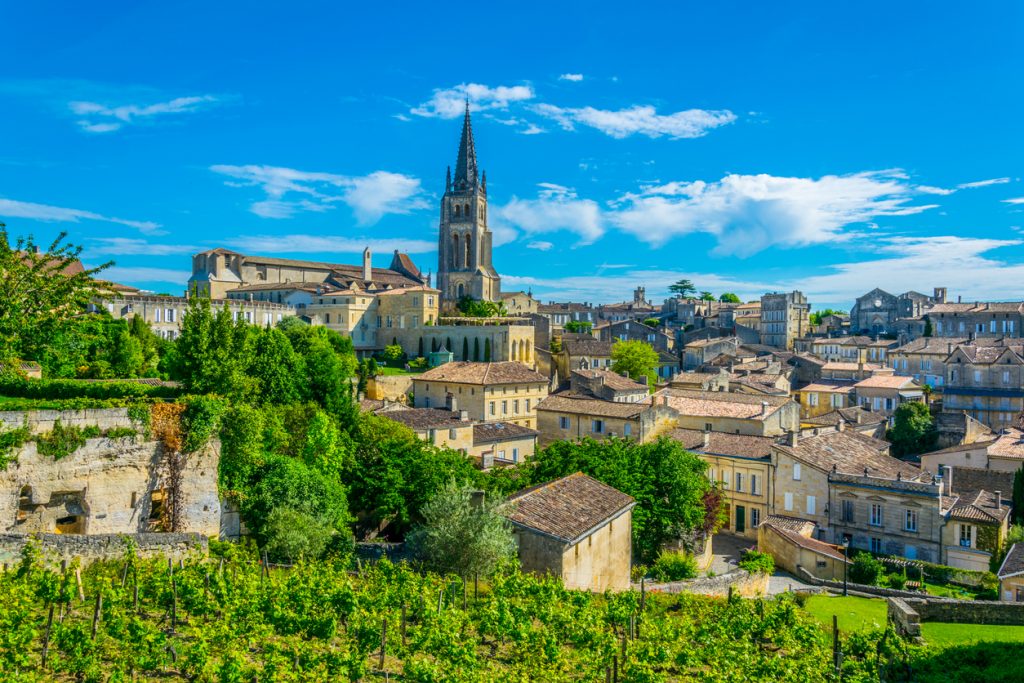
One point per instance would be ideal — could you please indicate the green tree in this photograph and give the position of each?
(465, 348)
(1018, 496)
(126, 356)
(43, 291)
(866, 570)
(487, 350)
(213, 352)
(913, 430)
(476, 349)
(578, 326)
(652, 322)
(419, 349)
(707, 296)
(242, 447)
(463, 532)
(393, 354)
(327, 448)
(816, 317)
(292, 535)
(729, 298)
(276, 367)
(638, 358)
(668, 483)
(683, 289)
(928, 329)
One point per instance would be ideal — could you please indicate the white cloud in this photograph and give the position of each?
(450, 103)
(576, 78)
(749, 213)
(43, 212)
(326, 244)
(101, 118)
(928, 189)
(128, 246)
(555, 208)
(608, 288)
(161, 275)
(532, 129)
(370, 197)
(540, 245)
(983, 183)
(1015, 200)
(638, 120)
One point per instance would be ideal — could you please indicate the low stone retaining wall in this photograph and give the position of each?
(907, 614)
(58, 547)
(40, 421)
(742, 582)
(806, 576)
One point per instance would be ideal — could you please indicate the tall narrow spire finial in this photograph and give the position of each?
(465, 165)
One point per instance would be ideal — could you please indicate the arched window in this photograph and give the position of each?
(526, 354)
(461, 293)
(466, 211)
(515, 350)
(457, 208)
(455, 251)
(469, 251)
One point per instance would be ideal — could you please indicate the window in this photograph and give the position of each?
(755, 485)
(527, 405)
(504, 407)
(563, 422)
(711, 474)
(597, 426)
(910, 524)
(876, 545)
(515, 407)
(515, 455)
(992, 326)
(156, 315)
(812, 398)
(755, 516)
(490, 408)
(739, 482)
(876, 515)
(977, 375)
(796, 471)
(965, 535)
(1006, 376)
(501, 455)
(627, 429)
(788, 502)
(707, 427)
(847, 514)
(812, 505)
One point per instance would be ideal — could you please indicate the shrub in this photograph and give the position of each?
(757, 563)
(59, 389)
(898, 581)
(293, 535)
(91, 432)
(418, 364)
(393, 355)
(60, 441)
(120, 433)
(866, 570)
(674, 566)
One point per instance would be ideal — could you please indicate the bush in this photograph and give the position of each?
(866, 570)
(674, 566)
(393, 355)
(60, 389)
(757, 563)
(898, 581)
(418, 364)
(293, 535)
(60, 441)
(120, 433)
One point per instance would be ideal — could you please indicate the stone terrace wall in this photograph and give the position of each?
(969, 611)
(806, 576)
(743, 583)
(58, 547)
(40, 421)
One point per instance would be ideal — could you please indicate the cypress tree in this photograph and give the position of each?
(487, 350)
(465, 348)
(450, 347)
(433, 344)
(476, 349)
(419, 352)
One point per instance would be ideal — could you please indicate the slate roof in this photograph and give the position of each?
(612, 380)
(587, 347)
(721, 443)
(581, 404)
(854, 416)
(569, 508)
(493, 432)
(467, 372)
(1013, 564)
(720, 403)
(851, 452)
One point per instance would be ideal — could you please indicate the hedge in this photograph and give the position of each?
(61, 389)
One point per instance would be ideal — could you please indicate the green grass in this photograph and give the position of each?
(398, 371)
(854, 613)
(946, 635)
(949, 591)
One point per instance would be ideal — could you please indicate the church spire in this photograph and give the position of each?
(465, 166)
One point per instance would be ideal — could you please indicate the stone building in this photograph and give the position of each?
(505, 391)
(879, 312)
(742, 467)
(885, 393)
(586, 354)
(218, 271)
(1001, 452)
(790, 541)
(731, 413)
(520, 303)
(986, 382)
(633, 330)
(464, 266)
(924, 359)
(702, 351)
(819, 398)
(575, 528)
(165, 313)
(980, 319)
(1011, 575)
(785, 316)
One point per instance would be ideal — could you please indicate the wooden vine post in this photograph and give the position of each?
(383, 642)
(96, 614)
(46, 636)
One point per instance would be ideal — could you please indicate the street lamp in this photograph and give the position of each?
(846, 561)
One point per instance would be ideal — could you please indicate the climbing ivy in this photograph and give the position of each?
(200, 421)
(61, 441)
(10, 441)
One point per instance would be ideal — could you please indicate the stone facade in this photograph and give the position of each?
(376, 319)
(986, 382)
(980, 319)
(784, 318)
(471, 339)
(165, 313)
(464, 245)
(632, 330)
(485, 401)
(879, 312)
(567, 417)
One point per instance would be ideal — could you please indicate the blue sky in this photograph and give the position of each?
(830, 147)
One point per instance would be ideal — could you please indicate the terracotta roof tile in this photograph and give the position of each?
(719, 403)
(492, 432)
(812, 544)
(1014, 562)
(419, 419)
(467, 372)
(578, 404)
(721, 443)
(567, 508)
(887, 382)
(850, 452)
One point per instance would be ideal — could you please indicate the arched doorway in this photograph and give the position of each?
(460, 292)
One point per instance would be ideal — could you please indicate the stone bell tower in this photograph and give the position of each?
(464, 242)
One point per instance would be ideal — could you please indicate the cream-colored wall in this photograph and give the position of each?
(785, 419)
(457, 438)
(1008, 588)
(812, 482)
(602, 560)
(788, 556)
(824, 402)
(971, 455)
(508, 342)
(967, 558)
(892, 532)
(165, 313)
(515, 403)
(526, 447)
(724, 469)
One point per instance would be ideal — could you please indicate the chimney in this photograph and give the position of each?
(367, 265)
(764, 408)
(707, 439)
(948, 479)
(999, 499)
(463, 416)
(626, 374)
(959, 299)
(450, 402)
(841, 425)
(792, 438)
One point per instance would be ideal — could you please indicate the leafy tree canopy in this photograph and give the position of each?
(707, 296)
(913, 429)
(579, 326)
(683, 288)
(817, 316)
(475, 308)
(729, 298)
(638, 358)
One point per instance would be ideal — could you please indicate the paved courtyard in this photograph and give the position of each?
(726, 550)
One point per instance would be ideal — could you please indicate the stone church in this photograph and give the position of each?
(464, 241)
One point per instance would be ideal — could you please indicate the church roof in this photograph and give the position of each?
(465, 164)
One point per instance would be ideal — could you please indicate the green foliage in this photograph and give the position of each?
(213, 352)
(707, 296)
(929, 330)
(42, 293)
(757, 562)
(683, 289)
(327, 449)
(241, 452)
(578, 326)
(58, 389)
(816, 317)
(418, 364)
(461, 537)
(201, 421)
(668, 483)
(393, 354)
(1018, 496)
(652, 322)
(638, 358)
(292, 535)
(10, 441)
(120, 433)
(277, 369)
(474, 308)
(487, 350)
(729, 298)
(61, 441)
(866, 570)
(913, 431)
(671, 565)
